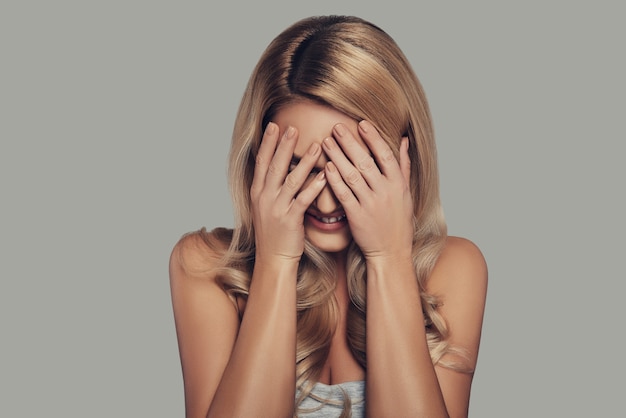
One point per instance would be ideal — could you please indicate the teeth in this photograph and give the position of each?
(332, 219)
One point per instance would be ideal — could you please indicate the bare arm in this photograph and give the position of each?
(260, 375)
(400, 374)
(228, 369)
(374, 191)
(248, 369)
(401, 380)
(206, 324)
(460, 279)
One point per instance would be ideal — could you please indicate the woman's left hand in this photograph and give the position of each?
(373, 190)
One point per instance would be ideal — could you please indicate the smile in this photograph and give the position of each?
(332, 219)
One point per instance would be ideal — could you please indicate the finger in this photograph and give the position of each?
(349, 174)
(299, 175)
(358, 154)
(340, 189)
(307, 195)
(405, 161)
(264, 156)
(279, 165)
(387, 162)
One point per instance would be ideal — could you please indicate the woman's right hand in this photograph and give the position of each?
(278, 197)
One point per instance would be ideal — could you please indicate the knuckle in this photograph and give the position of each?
(259, 160)
(260, 202)
(366, 164)
(353, 177)
(387, 156)
(291, 183)
(273, 168)
(256, 189)
(301, 201)
(343, 195)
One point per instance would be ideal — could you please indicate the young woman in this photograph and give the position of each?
(338, 292)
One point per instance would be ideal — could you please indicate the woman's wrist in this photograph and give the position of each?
(276, 266)
(382, 271)
(393, 261)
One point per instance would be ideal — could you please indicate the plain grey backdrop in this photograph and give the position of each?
(115, 121)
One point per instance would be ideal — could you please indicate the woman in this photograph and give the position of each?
(338, 291)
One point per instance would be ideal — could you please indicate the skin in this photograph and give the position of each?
(246, 368)
(314, 123)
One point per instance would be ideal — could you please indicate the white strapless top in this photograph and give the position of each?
(326, 401)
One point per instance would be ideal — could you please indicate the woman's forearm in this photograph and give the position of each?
(401, 380)
(259, 379)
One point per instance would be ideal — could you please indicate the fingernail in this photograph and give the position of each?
(271, 127)
(331, 167)
(340, 130)
(314, 148)
(363, 126)
(328, 142)
(291, 132)
(321, 176)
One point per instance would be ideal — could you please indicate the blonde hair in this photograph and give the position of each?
(353, 66)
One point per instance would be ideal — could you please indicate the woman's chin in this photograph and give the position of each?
(330, 243)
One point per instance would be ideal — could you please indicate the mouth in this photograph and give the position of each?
(330, 219)
(332, 222)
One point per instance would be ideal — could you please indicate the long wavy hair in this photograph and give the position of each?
(353, 66)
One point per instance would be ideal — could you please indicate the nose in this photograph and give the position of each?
(326, 201)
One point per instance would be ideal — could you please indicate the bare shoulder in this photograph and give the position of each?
(197, 253)
(461, 263)
(206, 318)
(459, 281)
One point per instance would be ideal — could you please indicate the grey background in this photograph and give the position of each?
(115, 119)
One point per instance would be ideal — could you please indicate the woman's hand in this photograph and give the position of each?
(373, 190)
(278, 199)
